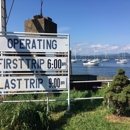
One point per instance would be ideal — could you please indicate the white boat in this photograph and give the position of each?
(105, 59)
(118, 58)
(73, 60)
(94, 62)
(122, 61)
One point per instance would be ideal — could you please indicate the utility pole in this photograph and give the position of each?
(41, 8)
(2, 16)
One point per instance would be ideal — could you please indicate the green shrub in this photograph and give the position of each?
(119, 93)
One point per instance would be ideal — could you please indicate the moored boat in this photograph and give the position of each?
(105, 59)
(94, 62)
(73, 60)
(122, 61)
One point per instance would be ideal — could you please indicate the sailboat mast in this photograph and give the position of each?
(75, 54)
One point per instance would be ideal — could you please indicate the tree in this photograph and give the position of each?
(119, 93)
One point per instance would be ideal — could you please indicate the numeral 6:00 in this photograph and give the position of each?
(57, 63)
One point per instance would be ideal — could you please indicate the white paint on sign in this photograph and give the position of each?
(33, 83)
(30, 44)
(17, 63)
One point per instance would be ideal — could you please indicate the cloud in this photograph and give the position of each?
(78, 50)
(96, 46)
(99, 46)
(82, 44)
(126, 48)
(63, 29)
(86, 48)
(114, 47)
(79, 46)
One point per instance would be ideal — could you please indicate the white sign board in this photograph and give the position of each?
(33, 83)
(39, 43)
(23, 63)
(30, 44)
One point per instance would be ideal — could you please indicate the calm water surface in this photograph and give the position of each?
(108, 69)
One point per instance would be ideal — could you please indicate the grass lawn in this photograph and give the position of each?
(85, 114)
(99, 119)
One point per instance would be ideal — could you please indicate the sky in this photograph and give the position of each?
(95, 26)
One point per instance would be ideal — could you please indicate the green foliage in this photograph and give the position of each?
(100, 92)
(87, 114)
(30, 116)
(118, 93)
(24, 116)
(62, 105)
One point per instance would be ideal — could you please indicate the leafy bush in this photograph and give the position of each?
(119, 93)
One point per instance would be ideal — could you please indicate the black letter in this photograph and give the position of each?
(10, 42)
(7, 84)
(54, 46)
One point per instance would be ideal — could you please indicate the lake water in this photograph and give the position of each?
(108, 69)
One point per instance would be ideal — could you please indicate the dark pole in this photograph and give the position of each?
(41, 7)
(5, 14)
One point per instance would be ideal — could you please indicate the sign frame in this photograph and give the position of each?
(19, 38)
(59, 44)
